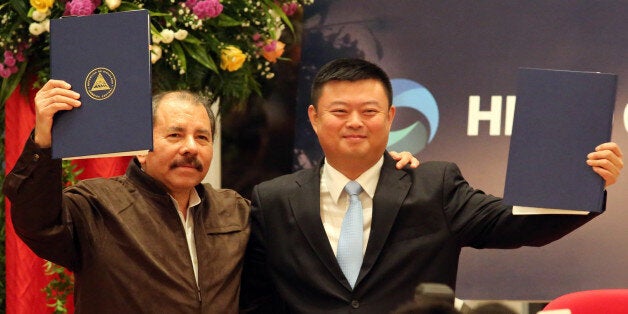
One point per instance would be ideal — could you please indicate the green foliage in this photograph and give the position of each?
(61, 286)
(187, 45)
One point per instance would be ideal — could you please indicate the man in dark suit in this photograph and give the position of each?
(413, 223)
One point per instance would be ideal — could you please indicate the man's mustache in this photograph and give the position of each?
(187, 162)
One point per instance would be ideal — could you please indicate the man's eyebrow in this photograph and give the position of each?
(204, 131)
(175, 129)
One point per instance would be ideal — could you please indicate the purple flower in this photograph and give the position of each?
(207, 9)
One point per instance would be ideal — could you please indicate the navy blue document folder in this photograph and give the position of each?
(106, 59)
(560, 117)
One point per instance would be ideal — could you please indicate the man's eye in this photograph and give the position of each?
(174, 135)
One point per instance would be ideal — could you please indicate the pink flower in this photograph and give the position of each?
(190, 3)
(289, 8)
(13, 69)
(19, 56)
(207, 9)
(5, 73)
(270, 46)
(256, 36)
(81, 7)
(9, 60)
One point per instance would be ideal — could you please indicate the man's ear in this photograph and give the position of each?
(313, 115)
(141, 159)
(391, 114)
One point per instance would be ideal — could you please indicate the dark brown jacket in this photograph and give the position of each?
(124, 240)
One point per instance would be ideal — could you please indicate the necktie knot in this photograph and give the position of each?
(353, 188)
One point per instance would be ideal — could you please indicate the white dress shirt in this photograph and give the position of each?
(335, 201)
(188, 226)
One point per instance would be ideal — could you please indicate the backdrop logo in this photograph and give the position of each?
(416, 120)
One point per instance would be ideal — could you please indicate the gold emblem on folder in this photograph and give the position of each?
(100, 83)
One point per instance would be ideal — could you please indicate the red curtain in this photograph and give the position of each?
(25, 276)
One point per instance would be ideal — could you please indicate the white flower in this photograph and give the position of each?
(155, 53)
(113, 4)
(181, 34)
(156, 39)
(36, 29)
(167, 35)
(40, 16)
(46, 24)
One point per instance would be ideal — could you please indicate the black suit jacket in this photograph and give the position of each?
(421, 219)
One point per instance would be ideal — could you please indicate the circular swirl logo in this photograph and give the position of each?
(416, 120)
(100, 83)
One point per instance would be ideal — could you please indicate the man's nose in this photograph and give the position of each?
(354, 120)
(189, 146)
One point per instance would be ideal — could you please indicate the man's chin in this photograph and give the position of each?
(186, 184)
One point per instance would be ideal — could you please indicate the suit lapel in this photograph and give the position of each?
(392, 188)
(305, 206)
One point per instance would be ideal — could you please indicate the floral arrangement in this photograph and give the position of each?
(222, 48)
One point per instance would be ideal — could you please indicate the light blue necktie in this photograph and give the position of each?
(349, 253)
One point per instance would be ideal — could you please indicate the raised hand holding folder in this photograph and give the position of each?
(105, 58)
(560, 117)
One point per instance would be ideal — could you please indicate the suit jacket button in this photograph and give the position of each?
(355, 304)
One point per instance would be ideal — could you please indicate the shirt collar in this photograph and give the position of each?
(334, 181)
(194, 200)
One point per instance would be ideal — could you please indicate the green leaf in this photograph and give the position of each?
(199, 54)
(224, 20)
(281, 14)
(21, 7)
(192, 39)
(128, 6)
(178, 51)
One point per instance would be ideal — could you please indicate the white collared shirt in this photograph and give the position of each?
(335, 201)
(188, 226)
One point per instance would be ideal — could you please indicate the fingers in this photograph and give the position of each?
(414, 162)
(56, 95)
(53, 97)
(607, 162)
(610, 146)
(403, 159)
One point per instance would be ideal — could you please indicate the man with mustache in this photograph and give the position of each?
(155, 240)
(152, 241)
